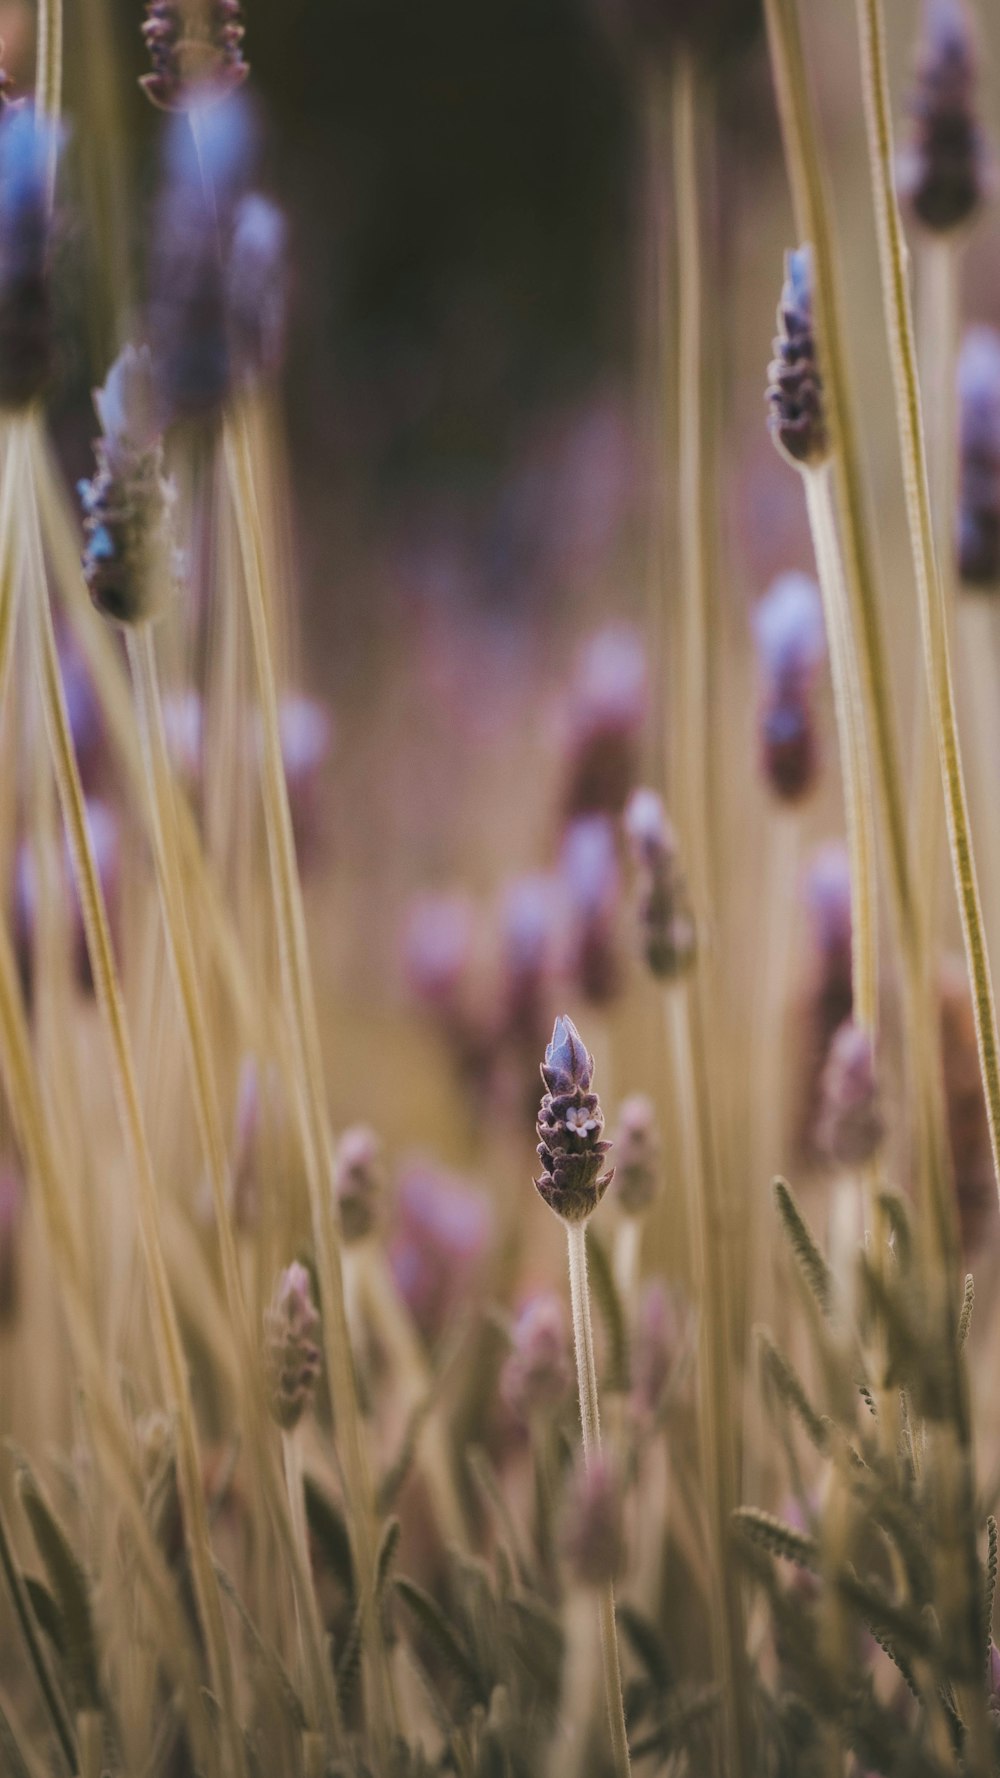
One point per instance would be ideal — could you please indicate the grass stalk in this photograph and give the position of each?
(166, 1331)
(586, 1372)
(694, 490)
(933, 621)
(303, 1031)
(851, 737)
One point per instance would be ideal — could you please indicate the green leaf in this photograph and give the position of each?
(327, 1525)
(776, 1537)
(811, 1263)
(442, 1634)
(71, 1588)
(268, 1656)
(17, 1588)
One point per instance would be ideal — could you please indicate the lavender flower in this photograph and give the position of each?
(127, 502)
(791, 646)
(796, 409)
(570, 1125)
(188, 310)
(538, 1374)
(591, 878)
(637, 1155)
(440, 1235)
(979, 458)
(257, 289)
(609, 700)
(529, 937)
(594, 1527)
(25, 308)
(181, 62)
(943, 172)
(850, 1127)
(359, 1184)
(657, 1342)
(292, 1352)
(665, 919)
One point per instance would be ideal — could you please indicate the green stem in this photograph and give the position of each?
(934, 629)
(590, 1425)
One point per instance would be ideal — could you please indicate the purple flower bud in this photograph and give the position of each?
(850, 1127)
(609, 700)
(979, 458)
(791, 646)
(127, 502)
(257, 282)
(570, 1125)
(292, 1352)
(796, 409)
(538, 1374)
(943, 172)
(665, 919)
(594, 1527)
(438, 949)
(359, 1182)
(306, 728)
(440, 1236)
(828, 899)
(530, 930)
(188, 309)
(658, 1340)
(25, 309)
(637, 1155)
(591, 877)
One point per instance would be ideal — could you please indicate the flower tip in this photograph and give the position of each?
(567, 1062)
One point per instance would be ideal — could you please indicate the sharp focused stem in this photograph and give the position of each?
(590, 1425)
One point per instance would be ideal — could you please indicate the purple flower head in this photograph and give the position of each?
(190, 52)
(530, 952)
(789, 631)
(25, 313)
(791, 644)
(358, 1181)
(637, 1155)
(979, 458)
(796, 410)
(567, 1064)
(127, 501)
(850, 1127)
(593, 1527)
(538, 1374)
(943, 171)
(437, 948)
(665, 919)
(661, 1333)
(609, 700)
(258, 288)
(571, 1146)
(828, 899)
(440, 1236)
(292, 1352)
(591, 877)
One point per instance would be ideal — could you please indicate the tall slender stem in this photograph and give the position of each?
(304, 1033)
(854, 766)
(590, 1425)
(934, 629)
(694, 514)
(170, 1351)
